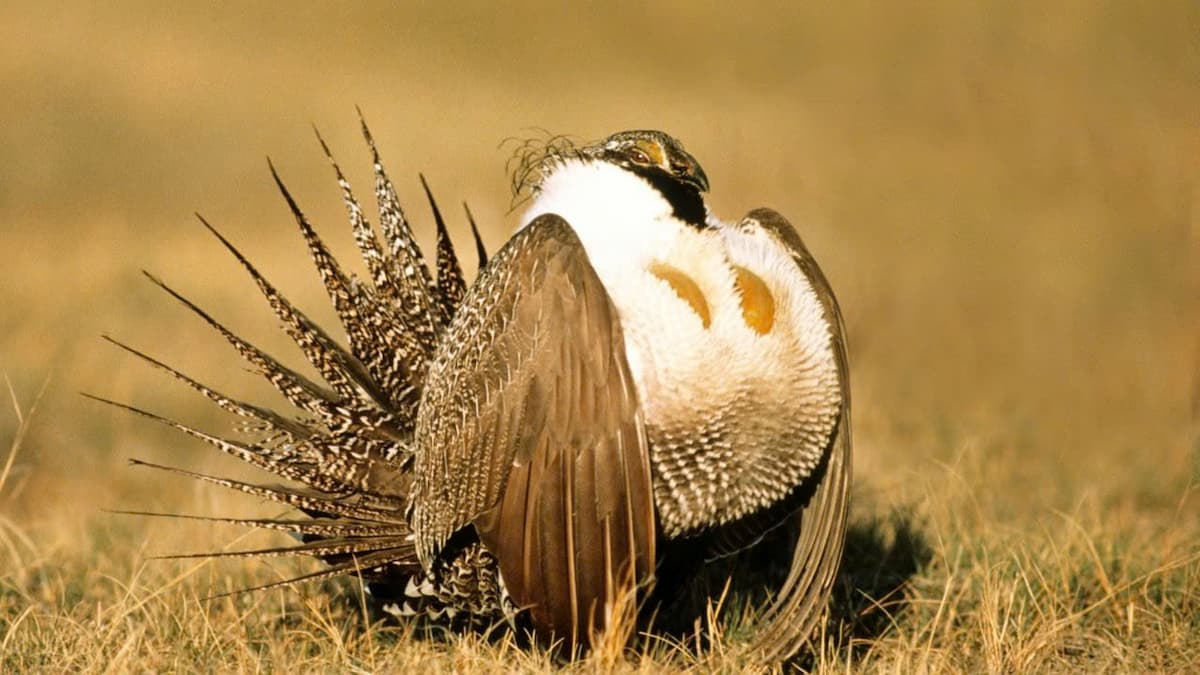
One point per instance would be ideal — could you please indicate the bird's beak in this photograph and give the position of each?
(688, 170)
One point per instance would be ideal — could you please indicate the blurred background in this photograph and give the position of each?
(1002, 195)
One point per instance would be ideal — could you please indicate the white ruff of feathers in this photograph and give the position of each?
(756, 392)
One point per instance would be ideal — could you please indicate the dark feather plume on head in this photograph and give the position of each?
(533, 157)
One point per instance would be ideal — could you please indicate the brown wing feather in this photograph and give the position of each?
(529, 430)
(822, 521)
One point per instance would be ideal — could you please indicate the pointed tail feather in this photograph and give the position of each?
(301, 462)
(367, 566)
(296, 388)
(365, 405)
(381, 335)
(480, 249)
(347, 456)
(408, 262)
(450, 283)
(342, 527)
(323, 505)
(318, 548)
(269, 421)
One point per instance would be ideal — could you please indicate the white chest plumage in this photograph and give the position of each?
(758, 397)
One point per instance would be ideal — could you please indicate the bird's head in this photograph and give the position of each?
(652, 154)
(655, 155)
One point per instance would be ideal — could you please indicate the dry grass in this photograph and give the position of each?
(1002, 195)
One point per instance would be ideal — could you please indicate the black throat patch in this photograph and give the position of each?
(685, 200)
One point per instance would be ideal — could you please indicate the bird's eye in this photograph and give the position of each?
(638, 156)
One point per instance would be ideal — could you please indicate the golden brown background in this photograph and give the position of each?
(1002, 195)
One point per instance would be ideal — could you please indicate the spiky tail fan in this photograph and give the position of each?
(348, 453)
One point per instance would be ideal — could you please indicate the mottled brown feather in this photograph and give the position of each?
(530, 433)
(801, 602)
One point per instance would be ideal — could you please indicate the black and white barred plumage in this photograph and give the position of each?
(349, 450)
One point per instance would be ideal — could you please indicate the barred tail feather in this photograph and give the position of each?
(296, 388)
(450, 283)
(416, 285)
(265, 420)
(339, 368)
(393, 353)
(342, 527)
(368, 567)
(301, 462)
(316, 504)
(365, 322)
(360, 406)
(480, 249)
(347, 455)
(322, 548)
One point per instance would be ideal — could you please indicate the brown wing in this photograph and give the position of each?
(529, 430)
(822, 521)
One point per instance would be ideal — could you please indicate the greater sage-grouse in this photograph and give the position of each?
(630, 390)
